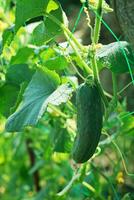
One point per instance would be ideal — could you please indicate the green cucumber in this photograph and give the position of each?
(89, 122)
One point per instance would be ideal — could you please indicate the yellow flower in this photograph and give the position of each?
(120, 178)
(2, 190)
(62, 180)
(30, 194)
(3, 26)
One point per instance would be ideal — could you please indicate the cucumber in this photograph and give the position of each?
(89, 122)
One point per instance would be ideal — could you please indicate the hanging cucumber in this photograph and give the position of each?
(89, 122)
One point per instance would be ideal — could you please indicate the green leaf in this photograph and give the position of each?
(7, 36)
(8, 95)
(16, 74)
(37, 166)
(26, 10)
(56, 63)
(128, 196)
(40, 91)
(52, 5)
(19, 97)
(62, 141)
(61, 95)
(41, 35)
(127, 124)
(35, 100)
(47, 30)
(112, 57)
(22, 56)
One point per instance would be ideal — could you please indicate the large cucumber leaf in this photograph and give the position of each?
(26, 10)
(19, 73)
(42, 89)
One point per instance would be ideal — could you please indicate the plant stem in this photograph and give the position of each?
(98, 22)
(69, 185)
(95, 40)
(72, 41)
(94, 63)
(106, 178)
(96, 77)
(73, 38)
(115, 90)
(89, 187)
(59, 112)
(32, 161)
(122, 90)
(104, 98)
(84, 64)
(65, 29)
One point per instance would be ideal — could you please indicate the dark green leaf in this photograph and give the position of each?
(19, 97)
(47, 29)
(8, 95)
(26, 10)
(35, 101)
(40, 91)
(112, 57)
(16, 74)
(62, 142)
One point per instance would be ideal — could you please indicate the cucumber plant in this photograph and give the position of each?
(43, 79)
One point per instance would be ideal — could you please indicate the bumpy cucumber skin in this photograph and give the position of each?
(89, 122)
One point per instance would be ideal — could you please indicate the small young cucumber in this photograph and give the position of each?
(89, 122)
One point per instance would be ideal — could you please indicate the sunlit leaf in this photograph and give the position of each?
(7, 37)
(56, 63)
(22, 56)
